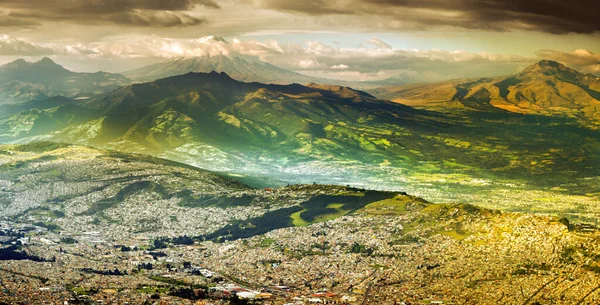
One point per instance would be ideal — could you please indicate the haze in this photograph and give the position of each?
(352, 40)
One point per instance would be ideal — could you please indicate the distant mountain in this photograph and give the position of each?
(241, 68)
(546, 88)
(397, 80)
(22, 81)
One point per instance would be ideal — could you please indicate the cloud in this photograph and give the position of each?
(374, 62)
(7, 20)
(154, 47)
(580, 59)
(304, 6)
(158, 47)
(156, 18)
(380, 62)
(339, 67)
(308, 64)
(10, 46)
(365, 62)
(553, 16)
(145, 13)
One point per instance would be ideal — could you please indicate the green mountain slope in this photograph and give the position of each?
(43, 121)
(214, 109)
(333, 134)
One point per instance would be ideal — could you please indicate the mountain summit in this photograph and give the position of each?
(43, 71)
(47, 62)
(551, 68)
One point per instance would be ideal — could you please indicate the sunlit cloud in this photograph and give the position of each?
(369, 60)
(13, 46)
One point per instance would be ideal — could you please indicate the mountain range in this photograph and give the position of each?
(335, 134)
(214, 108)
(545, 88)
(22, 81)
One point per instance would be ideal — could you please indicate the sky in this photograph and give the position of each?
(357, 40)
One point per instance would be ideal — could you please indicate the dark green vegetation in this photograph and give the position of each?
(38, 147)
(330, 134)
(15, 252)
(317, 208)
(324, 205)
(37, 121)
(256, 226)
(122, 194)
(218, 200)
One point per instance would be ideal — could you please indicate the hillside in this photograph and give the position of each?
(22, 81)
(77, 187)
(216, 109)
(545, 88)
(43, 117)
(79, 223)
(334, 134)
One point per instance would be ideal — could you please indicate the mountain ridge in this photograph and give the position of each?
(544, 88)
(22, 81)
(323, 133)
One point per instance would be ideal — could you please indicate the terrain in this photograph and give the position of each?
(238, 67)
(22, 81)
(81, 188)
(545, 88)
(273, 135)
(81, 225)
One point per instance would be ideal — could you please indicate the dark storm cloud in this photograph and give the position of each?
(157, 13)
(553, 16)
(7, 20)
(311, 7)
